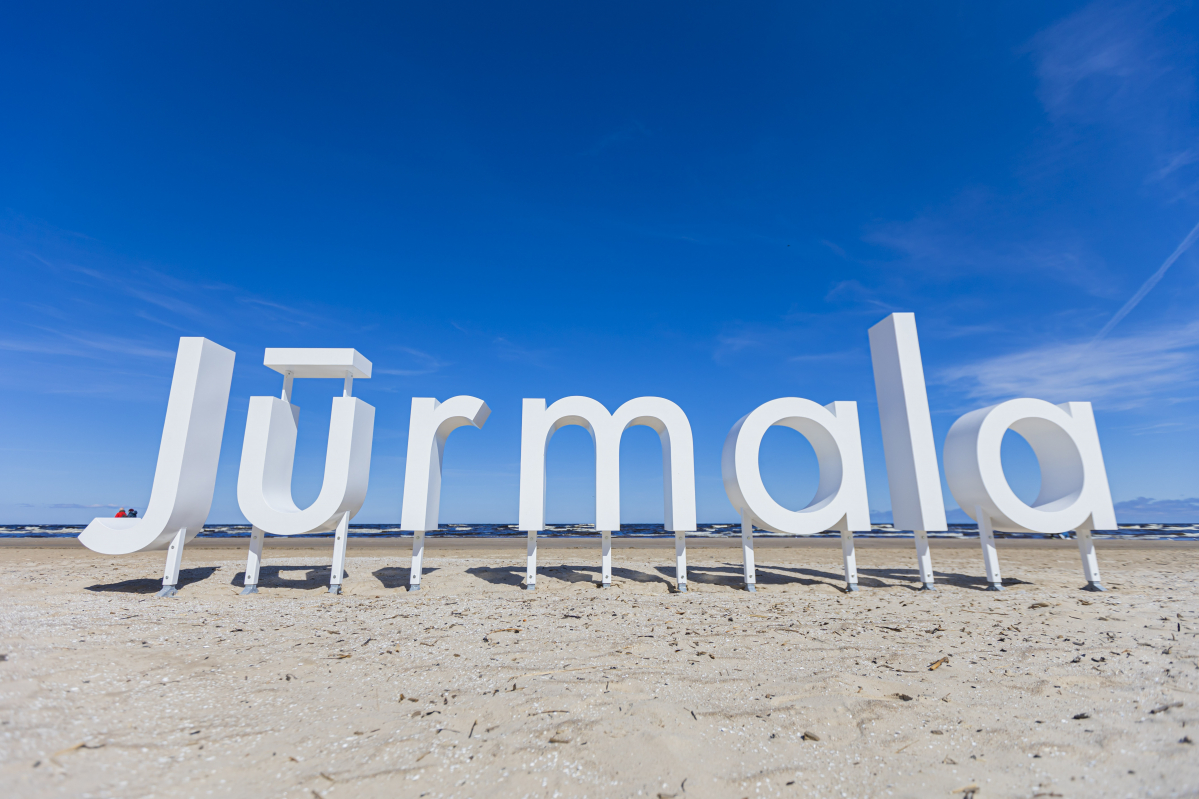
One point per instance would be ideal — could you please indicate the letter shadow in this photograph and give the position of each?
(279, 577)
(593, 574)
(734, 575)
(911, 578)
(499, 575)
(514, 575)
(152, 586)
(907, 578)
(398, 576)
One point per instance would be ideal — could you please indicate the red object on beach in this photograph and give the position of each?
(121, 514)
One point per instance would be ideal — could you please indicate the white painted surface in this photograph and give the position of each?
(911, 453)
(269, 449)
(986, 537)
(317, 362)
(749, 568)
(254, 561)
(185, 476)
(606, 558)
(429, 426)
(661, 415)
(840, 502)
(1074, 489)
(832, 430)
(667, 419)
(268, 455)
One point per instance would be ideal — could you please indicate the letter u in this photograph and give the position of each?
(267, 458)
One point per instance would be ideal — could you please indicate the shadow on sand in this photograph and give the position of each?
(150, 586)
(515, 575)
(731, 575)
(398, 576)
(301, 577)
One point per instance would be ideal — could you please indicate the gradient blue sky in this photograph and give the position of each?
(708, 202)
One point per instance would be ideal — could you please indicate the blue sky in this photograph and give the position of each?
(706, 202)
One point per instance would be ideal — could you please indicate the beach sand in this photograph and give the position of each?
(473, 687)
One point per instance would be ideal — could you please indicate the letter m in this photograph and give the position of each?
(667, 419)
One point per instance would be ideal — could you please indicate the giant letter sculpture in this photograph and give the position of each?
(1074, 491)
(187, 461)
(428, 428)
(268, 454)
(912, 473)
(840, 501)
(678, 469)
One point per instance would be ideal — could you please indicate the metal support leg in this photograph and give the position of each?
(170, 576)
(850, 559)
(340, 540)
(680, 560)
(986, 534)
(1090, 563)
(531, 563)
(747, 551)
(418, 560)
(253, 562)
(924, 560)
(605, 558)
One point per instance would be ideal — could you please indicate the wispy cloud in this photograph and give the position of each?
(423, 363)
(507, 350)
(1092, 61)
(1121, 66)
(1174, 162)
(1119, 372)
(59, 343)
(979, 233)
(1148, 285)
(853, 292)
(1144, 509)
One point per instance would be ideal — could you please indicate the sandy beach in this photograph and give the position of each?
(473, 687)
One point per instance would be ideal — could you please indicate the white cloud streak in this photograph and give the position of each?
(1148, 285)
(1121, 373)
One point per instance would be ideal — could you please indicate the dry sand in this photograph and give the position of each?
(473, 687)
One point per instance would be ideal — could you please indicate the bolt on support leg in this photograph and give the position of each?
(253, 561)
(924, 560)
(605, 558)
(986, 537)
(1090, 563)
(680, 560)
(340, 541)
(850, 560)
(418, 560)
(170, 577)
(749, 568)
(531, 562)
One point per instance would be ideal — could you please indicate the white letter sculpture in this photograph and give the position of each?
(1074, 490)
(187, 461)
(840, 502)
(268, 454)
(428, 428)
(911, 454)
(678, 469)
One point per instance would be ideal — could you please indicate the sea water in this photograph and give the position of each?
(1162, 531)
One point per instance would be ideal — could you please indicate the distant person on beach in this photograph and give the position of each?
(131, 513)
(121, 514)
